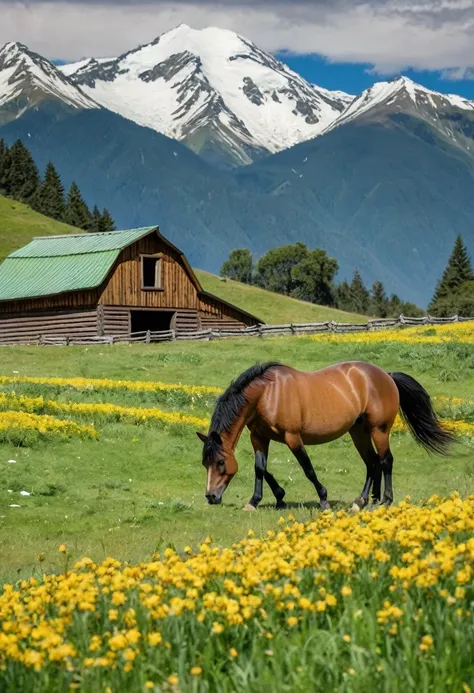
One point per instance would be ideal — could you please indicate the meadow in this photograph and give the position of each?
(122, 578)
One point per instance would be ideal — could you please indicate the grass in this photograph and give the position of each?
(140, 489)
(140, 482)
(19, 224)
(270, 307)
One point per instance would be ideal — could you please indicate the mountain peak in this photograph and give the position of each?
(385, 102)
(26, 79)
(213, 90)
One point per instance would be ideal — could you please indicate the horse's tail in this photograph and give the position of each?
(417, 412)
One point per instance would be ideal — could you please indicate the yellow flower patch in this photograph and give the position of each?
(111, 411)
(261, 588)
(424, 334)
(107, 384)
(44, 425)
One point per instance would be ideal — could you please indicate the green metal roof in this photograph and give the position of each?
(56, 264)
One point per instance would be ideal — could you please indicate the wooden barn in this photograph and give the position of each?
(94, 284)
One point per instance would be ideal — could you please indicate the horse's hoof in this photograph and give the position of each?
(281, 505)
(250, 508)
(355, 508)
(325, 505)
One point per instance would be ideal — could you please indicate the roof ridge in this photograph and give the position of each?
(89, 233)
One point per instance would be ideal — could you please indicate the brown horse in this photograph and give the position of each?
(279, 403)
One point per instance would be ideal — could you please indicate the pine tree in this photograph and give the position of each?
(360, 297)
(51, 194)
(96, 218)
(343, 296)
(106, 222)
(5, 165)
(23, 176)
(77, 212)
(379, 305)
(457, 272)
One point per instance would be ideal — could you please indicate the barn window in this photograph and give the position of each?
(151, 272)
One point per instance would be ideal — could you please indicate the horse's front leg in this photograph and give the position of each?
(260, 469)
(260, 447)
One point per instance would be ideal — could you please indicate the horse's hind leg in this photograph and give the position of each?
(382, 445)
(296, 446)
(361, 437)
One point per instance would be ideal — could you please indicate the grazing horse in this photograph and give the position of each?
(277, 402)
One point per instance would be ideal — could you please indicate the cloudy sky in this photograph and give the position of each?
(344, 44)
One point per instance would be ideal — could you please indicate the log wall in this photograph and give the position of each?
(76, 323)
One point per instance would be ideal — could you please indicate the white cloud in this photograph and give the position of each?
(392, 36)
(458, 73)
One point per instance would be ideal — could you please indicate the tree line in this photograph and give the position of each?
(20, 180)
(296, 271)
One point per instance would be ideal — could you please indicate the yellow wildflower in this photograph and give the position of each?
(426, 643)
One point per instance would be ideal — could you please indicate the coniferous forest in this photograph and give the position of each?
(20, 180)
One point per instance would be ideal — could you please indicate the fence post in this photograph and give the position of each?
(173, 335)
(148, 337)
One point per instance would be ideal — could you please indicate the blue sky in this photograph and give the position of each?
(355, 77)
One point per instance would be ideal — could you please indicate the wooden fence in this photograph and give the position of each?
(211, 334)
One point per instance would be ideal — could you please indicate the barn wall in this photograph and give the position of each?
(124, 287)
(74, 300)
(74, 323)
(114, 320)
(213, 313)
(187, 320)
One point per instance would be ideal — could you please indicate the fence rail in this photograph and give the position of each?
(213, 334)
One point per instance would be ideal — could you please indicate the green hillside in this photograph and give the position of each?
(19, 224)
(272, 308)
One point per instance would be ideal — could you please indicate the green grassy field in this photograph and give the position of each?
(138, 491)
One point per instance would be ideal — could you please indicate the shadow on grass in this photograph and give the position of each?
(293, 505)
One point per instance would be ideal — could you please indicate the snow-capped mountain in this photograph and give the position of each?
(27, 79)
(211, 88)
(450, 115)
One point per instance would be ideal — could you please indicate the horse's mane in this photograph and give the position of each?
(231, 402)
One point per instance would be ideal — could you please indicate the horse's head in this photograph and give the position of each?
(221, 466)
